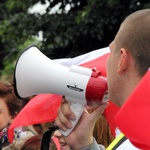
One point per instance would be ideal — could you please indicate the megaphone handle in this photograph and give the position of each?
(77, 108)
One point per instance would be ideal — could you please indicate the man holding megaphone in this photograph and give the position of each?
(127, 64)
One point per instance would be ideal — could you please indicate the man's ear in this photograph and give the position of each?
(123, 63)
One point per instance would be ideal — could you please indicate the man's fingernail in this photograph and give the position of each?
(72, 117)
(69, 125)
(64, 129)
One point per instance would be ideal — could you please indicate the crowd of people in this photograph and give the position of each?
(128, 62)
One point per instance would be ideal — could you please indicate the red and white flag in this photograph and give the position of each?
(43, 107)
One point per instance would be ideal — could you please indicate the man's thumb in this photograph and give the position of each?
(98, 111)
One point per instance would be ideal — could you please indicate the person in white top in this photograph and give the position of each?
(129, 60)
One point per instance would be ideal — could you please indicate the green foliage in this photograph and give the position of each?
(10, 59)
(87, 25)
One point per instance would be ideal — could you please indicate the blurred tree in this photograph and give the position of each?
(74, 28)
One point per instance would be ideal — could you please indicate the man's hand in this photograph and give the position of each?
(82, 135)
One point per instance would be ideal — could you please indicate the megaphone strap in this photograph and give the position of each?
(46, 138)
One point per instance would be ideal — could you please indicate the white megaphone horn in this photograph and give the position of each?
(35, 73)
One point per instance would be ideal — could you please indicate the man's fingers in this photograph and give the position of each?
(66, 110)
(65, 115)
(60, 124)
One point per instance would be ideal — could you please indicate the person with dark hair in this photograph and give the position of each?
(127, 64)
(10, 106)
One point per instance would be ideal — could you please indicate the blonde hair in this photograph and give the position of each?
(102, 132)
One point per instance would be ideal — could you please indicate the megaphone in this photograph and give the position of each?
(35, 73)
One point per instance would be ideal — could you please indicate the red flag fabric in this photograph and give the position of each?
(43, 107)
(133, 118)
(55, 139)
(99, 63)
(109, 113)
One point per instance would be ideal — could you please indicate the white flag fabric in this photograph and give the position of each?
(83, 58)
